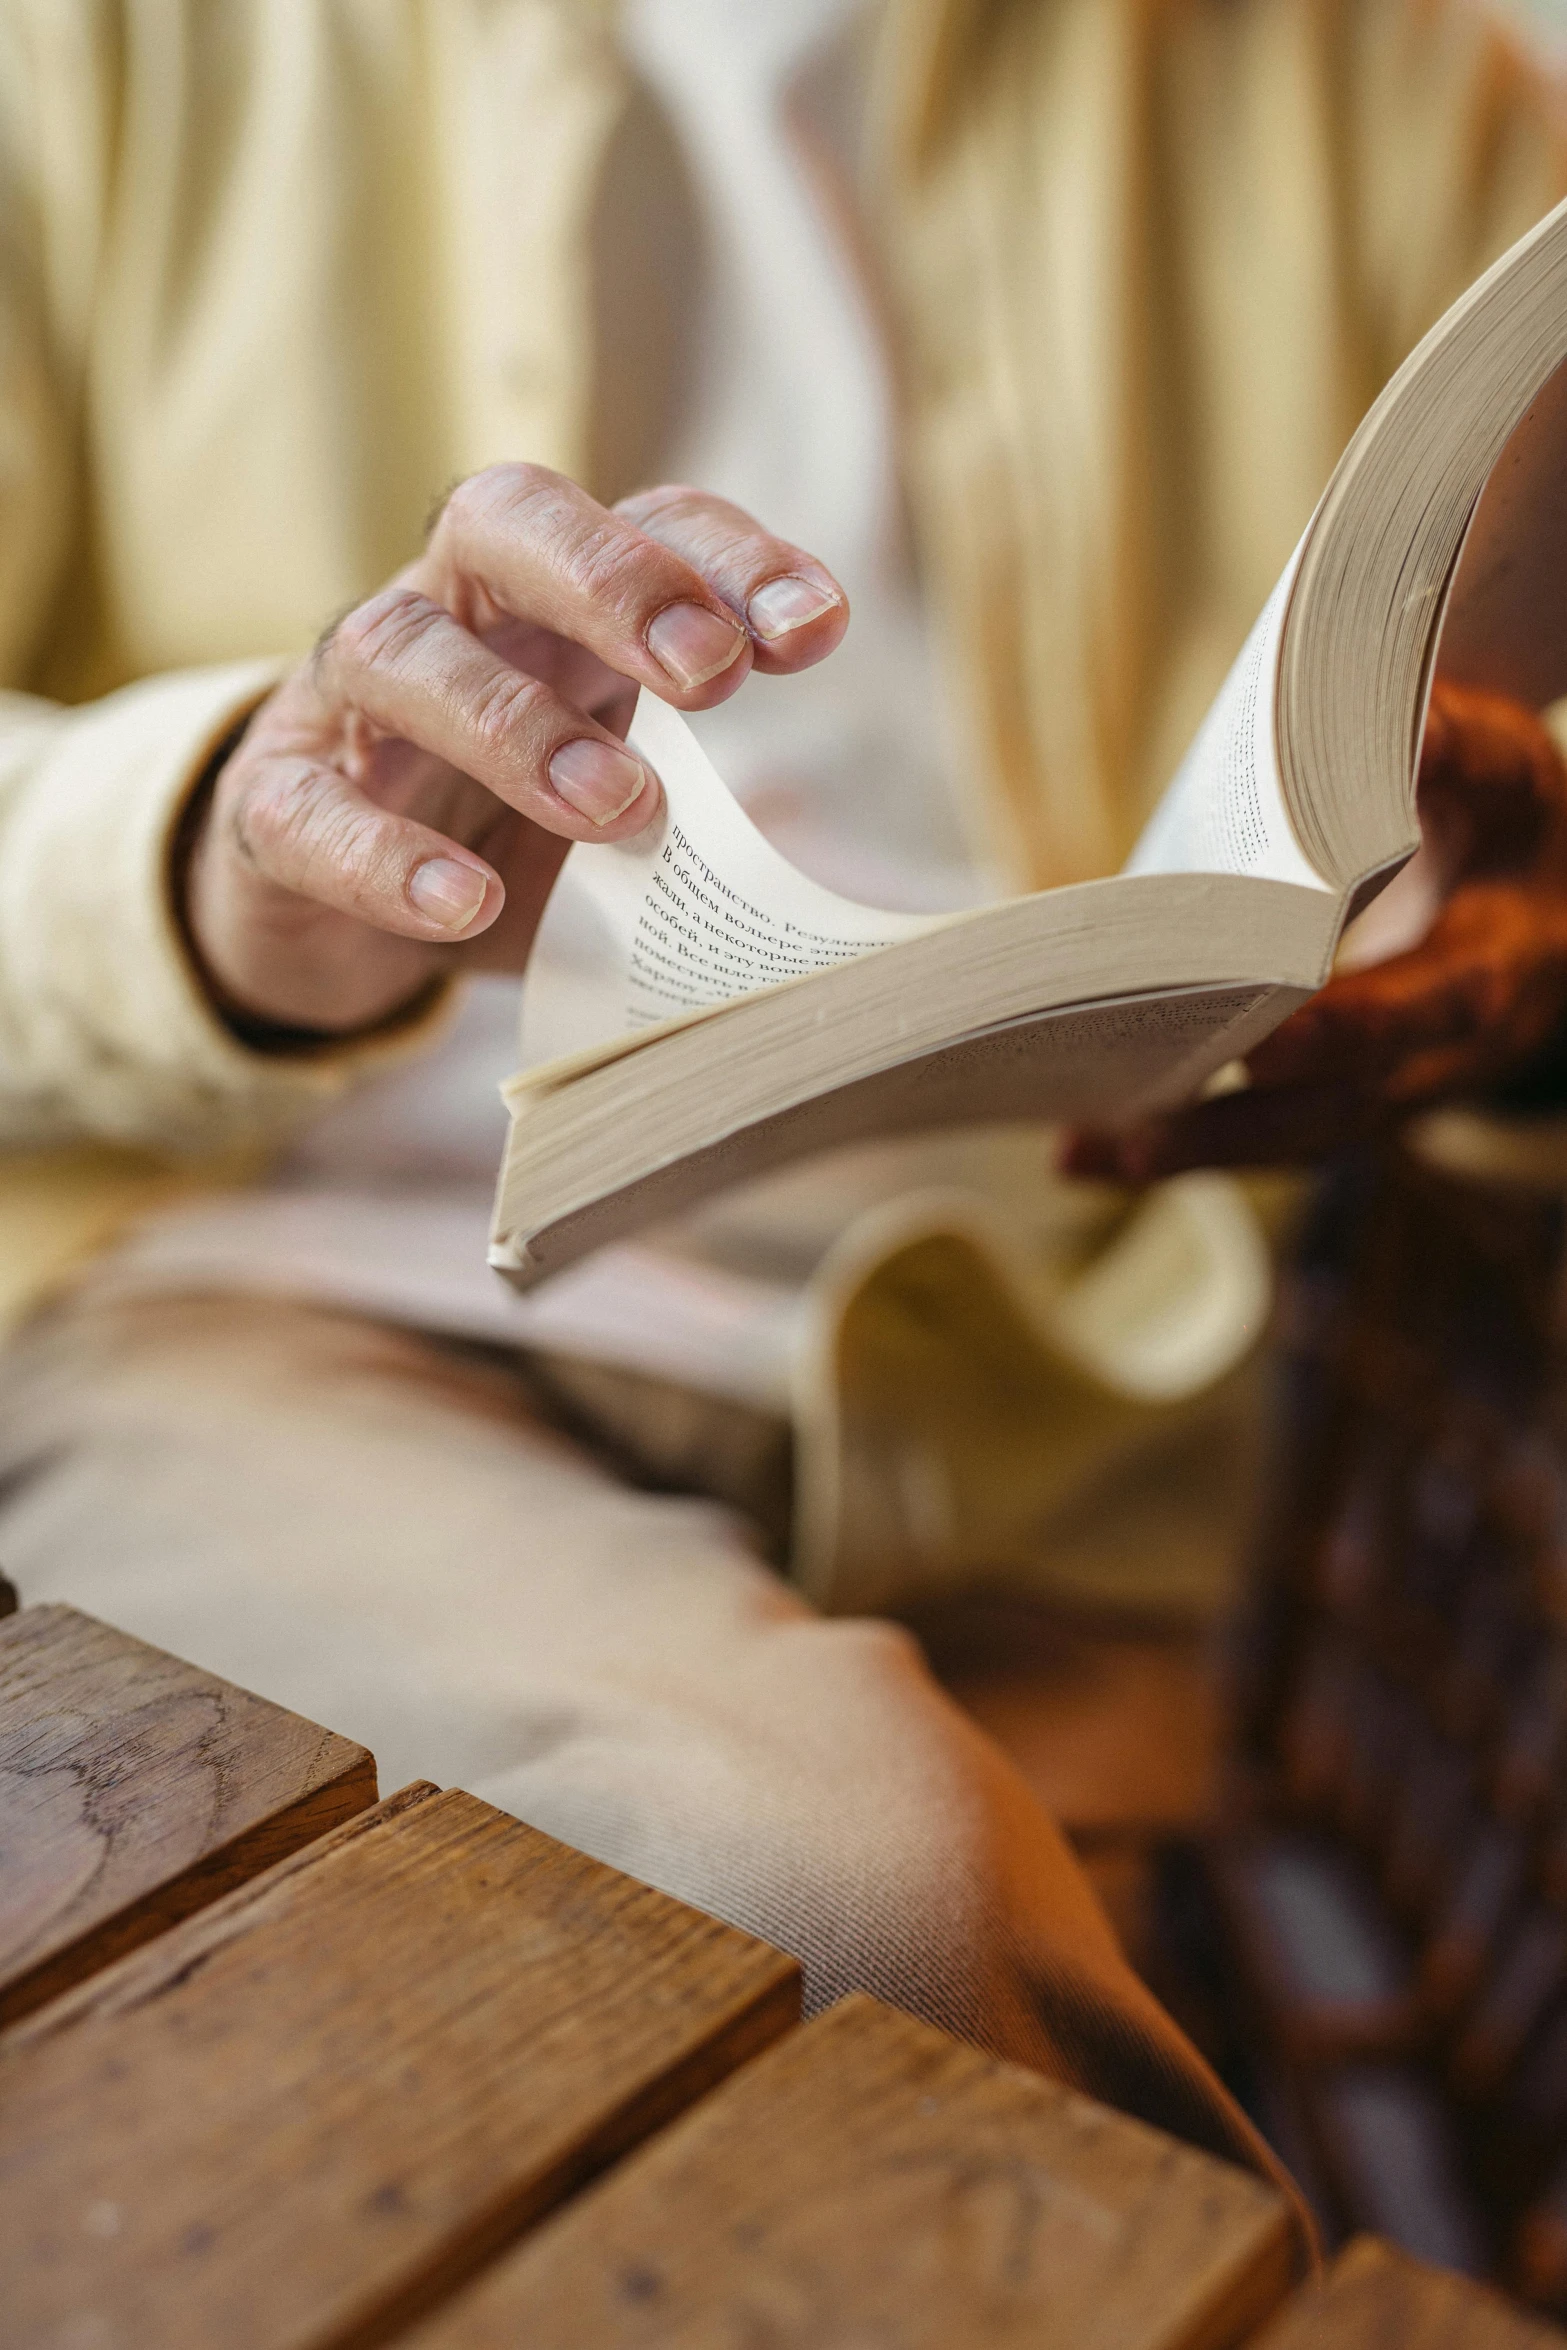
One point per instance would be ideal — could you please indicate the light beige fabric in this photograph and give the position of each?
(379, 1532)
(1151, 265)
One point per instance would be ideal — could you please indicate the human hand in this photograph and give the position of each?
(1474, 1006)
(404, 799)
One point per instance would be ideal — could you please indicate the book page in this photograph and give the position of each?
(697, 909)
(1223, 810)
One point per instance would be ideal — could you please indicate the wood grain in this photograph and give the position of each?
(1374, 2298)
(134, 1790)
(303, 2116)
(871, 2182)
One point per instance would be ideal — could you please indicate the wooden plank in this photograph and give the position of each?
(134, 1790)
(304, 2115)
(872, 2182)
(1374, 2298)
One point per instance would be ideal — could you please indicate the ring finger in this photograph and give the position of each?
(404, 663)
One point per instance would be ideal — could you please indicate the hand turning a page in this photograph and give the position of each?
(694, 911)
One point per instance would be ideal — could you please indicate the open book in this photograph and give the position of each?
(699, 1011)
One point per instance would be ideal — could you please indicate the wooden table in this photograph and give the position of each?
(286, 2066)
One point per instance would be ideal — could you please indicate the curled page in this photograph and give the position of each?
(694, 911)
(1223, 810)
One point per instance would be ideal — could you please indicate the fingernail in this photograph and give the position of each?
(447, 892)
(786, 604)
(693, 644)
(596, 779)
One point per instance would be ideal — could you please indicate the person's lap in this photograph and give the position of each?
(379, 1531)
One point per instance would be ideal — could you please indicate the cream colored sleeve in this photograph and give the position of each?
(105, 1028)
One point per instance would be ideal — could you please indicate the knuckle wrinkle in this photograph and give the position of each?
(375, 634)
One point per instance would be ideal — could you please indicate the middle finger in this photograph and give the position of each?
(793, 607)
(520, 541)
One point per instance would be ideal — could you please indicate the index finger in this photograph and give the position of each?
(795, 610)
(521, 542)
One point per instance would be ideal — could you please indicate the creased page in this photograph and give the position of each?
(1223, 810)
(697, 909)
